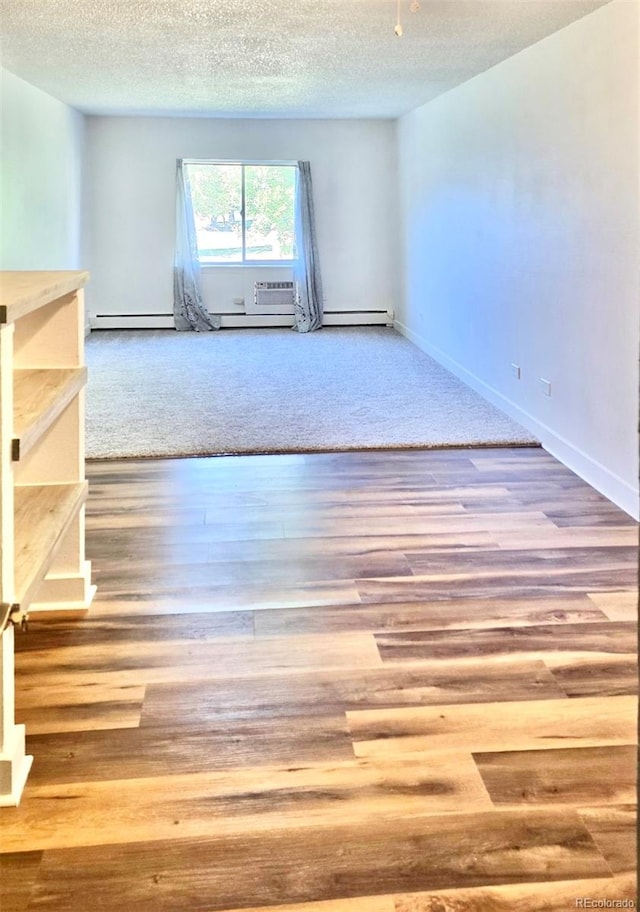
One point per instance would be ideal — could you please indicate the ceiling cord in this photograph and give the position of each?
(414, 7)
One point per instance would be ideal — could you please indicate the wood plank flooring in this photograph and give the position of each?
(355, 682)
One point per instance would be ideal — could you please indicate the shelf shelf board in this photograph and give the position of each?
(23, 292)
(42, 515)
(39, 397)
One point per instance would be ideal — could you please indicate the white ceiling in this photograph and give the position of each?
(265, 58)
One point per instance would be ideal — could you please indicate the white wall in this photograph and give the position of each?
(130, 188)
(41, 147)
(519, 198)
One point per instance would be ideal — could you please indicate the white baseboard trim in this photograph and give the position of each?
(616, 489)
(358, 318)
(238, 321)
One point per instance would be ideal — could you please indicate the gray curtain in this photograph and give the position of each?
(306, 270)
(188, 310)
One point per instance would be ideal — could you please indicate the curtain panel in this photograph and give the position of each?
(307, 281)
(189, 312)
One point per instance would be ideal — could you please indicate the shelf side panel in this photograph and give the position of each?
(14, 762)
(6, 472)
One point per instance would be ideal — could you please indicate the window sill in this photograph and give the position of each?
(262, 265)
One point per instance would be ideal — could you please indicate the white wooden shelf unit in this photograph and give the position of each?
(42, 483)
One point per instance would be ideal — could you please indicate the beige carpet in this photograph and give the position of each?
(163, 393)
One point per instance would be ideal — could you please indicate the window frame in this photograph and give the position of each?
(242, 164)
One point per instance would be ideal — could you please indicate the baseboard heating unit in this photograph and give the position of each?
(132, 321)
(256, 315)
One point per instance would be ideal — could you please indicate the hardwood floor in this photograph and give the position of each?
(357, 682)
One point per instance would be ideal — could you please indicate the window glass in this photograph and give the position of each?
(269, 191)
(243, 213)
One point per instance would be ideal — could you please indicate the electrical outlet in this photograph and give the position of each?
(515, 370)
(545, 385)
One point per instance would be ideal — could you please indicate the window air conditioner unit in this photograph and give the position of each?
(273, 293)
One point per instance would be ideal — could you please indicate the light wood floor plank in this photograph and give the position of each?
(568, 538)
(343, 861)
(339, 689)
(554, 897)
(246, 596)
(424, 587)
(222, 657)
(19, 871)
(90, 630)
(594, 675)
(438, 614)
(586, 722)
(291, 572)
(101, 716)
(528, 642)
(618, 606)
(244, 801)
(598, 775)
(142, 753)
(614, 830)
(366, 904)
(32, 695)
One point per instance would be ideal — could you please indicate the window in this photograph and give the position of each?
(243, 212)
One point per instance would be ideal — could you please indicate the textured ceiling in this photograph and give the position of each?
(268, 58)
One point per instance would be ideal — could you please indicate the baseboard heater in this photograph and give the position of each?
(132, 321)
(254, 319)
